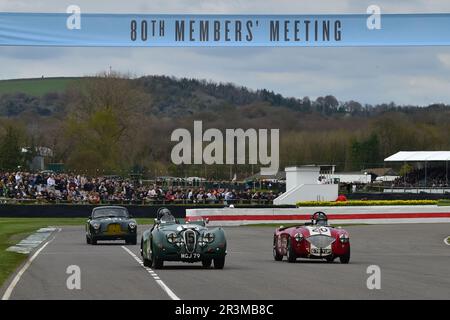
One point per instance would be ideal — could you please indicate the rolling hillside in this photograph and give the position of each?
(35, 87)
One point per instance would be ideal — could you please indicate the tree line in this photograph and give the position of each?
(112, 124)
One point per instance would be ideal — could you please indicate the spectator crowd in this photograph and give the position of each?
(70, 188)
(435, 177)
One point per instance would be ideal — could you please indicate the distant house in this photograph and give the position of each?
(280, 175)
(381, 172)
(40, 154)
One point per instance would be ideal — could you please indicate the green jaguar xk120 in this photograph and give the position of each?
(168, 240)
(111, 223)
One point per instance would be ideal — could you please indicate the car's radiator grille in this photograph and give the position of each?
(190, 239)
(320, 241)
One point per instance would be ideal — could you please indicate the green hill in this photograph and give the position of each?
(35, 87)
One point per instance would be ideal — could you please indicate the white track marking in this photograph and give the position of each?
(19, 274)
(155, 277)
(446, 241)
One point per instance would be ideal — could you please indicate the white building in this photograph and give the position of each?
(303, 184)
(353, 177)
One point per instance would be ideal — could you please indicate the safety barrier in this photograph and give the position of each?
(337, 215)
(84, 210)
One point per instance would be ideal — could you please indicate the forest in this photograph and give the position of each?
(113, 124)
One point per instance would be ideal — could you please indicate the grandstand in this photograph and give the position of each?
(424, 171)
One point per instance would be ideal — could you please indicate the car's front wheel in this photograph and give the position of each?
(206, 263)
(132, 240)
(219, 262)
(276, 255)
(93, 241)
(147, 262)
(290, 254)
(141, 250)
(346, 257)
(88, 240)
(158, 263)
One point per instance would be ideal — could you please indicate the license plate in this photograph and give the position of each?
(318, 251)
(190, 256)
(114, 229)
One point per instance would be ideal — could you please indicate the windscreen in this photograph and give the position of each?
(110, 212)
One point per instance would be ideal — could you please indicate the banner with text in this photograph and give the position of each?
(139, 30)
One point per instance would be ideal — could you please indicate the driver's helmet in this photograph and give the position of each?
(164, 215)
(319, 218)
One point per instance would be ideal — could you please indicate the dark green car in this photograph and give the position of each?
(168, 240)
(111, 223)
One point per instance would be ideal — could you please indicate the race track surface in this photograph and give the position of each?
(414, 262)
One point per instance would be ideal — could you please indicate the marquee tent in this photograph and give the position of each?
(421, 156)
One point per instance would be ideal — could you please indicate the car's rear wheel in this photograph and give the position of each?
(290, 254)
(206, 263)
(219, 262)
(330, 259)
(346, 257)
(276, 255)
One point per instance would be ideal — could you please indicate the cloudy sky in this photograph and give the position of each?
(369, 75)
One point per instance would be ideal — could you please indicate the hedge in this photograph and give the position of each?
(366, 203)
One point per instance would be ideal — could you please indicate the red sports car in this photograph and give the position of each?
(314, 240)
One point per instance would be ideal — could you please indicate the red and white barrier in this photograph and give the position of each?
(336, 215)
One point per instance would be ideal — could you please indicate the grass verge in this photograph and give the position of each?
(366, 203)
(444, 202)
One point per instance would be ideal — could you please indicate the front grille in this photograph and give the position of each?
(320, 240)
(190, 239)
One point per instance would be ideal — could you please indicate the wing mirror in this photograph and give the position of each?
(206, 220)
(157, 221)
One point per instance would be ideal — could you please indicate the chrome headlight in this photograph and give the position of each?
(344, 238)
(96, 225)
(298, 237)
(208, 237)
(172, 237)
(132, 225)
